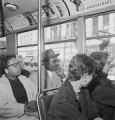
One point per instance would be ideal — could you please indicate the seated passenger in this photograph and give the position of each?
(17, 92)
(50, 62)
(73, 101)
(101, 87)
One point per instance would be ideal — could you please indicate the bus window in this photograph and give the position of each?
(100, 32)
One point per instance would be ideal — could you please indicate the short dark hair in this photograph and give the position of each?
(79, 65)
(5, 60)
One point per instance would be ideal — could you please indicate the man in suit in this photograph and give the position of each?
(50, 67)
(73, 101)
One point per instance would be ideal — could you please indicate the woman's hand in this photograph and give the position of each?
(85, 79)
(60, 72)
(31, 106)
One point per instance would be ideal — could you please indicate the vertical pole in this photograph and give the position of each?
(39, 58)
(39, 46)
(2, 31)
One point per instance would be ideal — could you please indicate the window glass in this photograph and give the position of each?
(100, 25)
(61, 32)
(100, 32)
(27, 48)
(103, 44)
(27, 38)
(3, 46)
(29, 55)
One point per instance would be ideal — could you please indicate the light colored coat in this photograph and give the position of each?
(48, 83)
(55, 82)
(9, 108)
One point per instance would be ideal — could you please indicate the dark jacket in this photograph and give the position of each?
(104, 95)
(65, 105)
(25, 73)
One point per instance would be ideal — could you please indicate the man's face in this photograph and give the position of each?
(53, 64)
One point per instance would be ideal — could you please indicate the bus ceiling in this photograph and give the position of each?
(17, 15)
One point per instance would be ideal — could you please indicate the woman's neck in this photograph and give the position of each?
(11, 77)
(76, 85)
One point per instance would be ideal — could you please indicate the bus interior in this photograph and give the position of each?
(29, 27)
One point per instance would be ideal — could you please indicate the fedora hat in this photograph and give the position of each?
(48, 54)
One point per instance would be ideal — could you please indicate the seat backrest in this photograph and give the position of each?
(44, 104)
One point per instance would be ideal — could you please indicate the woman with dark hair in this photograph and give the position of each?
(17, 92)
(101, 88)
(73, 101)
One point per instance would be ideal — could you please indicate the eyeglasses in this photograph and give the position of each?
(14, 64)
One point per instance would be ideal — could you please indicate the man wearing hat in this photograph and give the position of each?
(51, 64)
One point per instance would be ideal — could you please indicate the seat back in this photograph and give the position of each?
(44, 104)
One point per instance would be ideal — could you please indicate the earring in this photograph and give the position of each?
(6, 71)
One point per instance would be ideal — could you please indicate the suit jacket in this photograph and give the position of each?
(49, 83)
(65, 105)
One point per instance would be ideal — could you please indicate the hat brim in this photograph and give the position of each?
(55, 55)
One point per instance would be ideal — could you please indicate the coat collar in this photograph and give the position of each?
(70, 92)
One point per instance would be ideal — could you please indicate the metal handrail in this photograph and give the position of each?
(37, 97)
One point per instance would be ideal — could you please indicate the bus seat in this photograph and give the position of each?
(44, 104)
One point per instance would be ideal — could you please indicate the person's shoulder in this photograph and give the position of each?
(24, 78)
(60, 95)
(25, 73)
(3, 86)
(3, 79)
